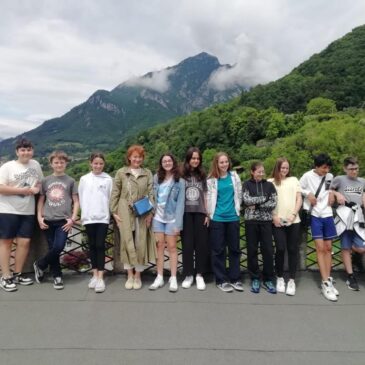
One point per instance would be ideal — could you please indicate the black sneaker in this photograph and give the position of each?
(357, 261)
(7, 284)
(351, 283)
(38, 273)
(237, 285)
(19, 278)
(58, 283)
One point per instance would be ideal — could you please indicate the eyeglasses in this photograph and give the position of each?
(352, 169)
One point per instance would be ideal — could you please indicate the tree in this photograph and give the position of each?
(321, 106)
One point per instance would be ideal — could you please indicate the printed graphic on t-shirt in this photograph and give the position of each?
(102, 187)
(356, 190)
(56, 194)
(163, 192)
(192, 192)
(27, 178)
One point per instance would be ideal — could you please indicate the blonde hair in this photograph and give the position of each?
(214, 171)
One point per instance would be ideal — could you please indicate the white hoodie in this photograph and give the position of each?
(94, 195)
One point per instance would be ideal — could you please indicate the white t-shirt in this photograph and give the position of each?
(309, 183)
(162, 195)
(16, 174)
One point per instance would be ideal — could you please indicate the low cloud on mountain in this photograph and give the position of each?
(157, 81)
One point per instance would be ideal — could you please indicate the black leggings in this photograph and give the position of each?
(286, 238)
(96, 234)
(194, 239)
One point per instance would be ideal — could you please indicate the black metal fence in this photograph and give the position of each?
(75, 256)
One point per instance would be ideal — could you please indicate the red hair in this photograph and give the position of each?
(134, 149)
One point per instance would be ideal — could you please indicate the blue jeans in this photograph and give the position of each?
(56, 238)
(221, 236)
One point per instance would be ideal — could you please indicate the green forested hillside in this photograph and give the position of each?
(248, 134)
(316, 108)
(337, 73)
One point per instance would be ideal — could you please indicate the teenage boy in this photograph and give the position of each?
(315, 188)
(58, 206)
(349, 192)
(19, 182)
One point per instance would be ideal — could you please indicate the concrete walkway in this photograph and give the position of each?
(39, 325)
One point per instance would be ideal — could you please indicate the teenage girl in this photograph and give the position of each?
(94, 194)
(194, 238)
(224, 204)
(286, 223)
(169, 190)
(259, 197)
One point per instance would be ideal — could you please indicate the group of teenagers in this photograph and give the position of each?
(204, 209)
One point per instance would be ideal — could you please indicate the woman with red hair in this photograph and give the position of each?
(137, 245)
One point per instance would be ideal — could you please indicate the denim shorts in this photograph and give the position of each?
(166, 228)
(323, 228)
(351, 238)
(16, 225)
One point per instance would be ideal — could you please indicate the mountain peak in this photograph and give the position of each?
(202, 57)
(107, 117)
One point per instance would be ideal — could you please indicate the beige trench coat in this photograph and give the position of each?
(126, 190)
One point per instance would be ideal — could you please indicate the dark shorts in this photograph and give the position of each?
(16, 225)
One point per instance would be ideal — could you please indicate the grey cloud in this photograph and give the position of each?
(158, 80)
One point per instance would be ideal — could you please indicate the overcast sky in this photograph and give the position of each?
(55, 54)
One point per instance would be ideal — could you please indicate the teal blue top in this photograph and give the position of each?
(225, 210)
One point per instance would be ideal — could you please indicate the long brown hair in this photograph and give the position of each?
(161, 172)
(198, 172)
(276, 170)
(214, 171)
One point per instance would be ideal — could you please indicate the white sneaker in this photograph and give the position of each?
(129, 283)
(200, 284)
(137, 283)
(328, 292)
(188, 281)
(100, 286)
(92, 282)
(7, 284)
(280, 285)
(173, 284)
(290, 289)
(331, 282)
(158, 283)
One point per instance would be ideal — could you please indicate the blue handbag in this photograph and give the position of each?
(142, 206)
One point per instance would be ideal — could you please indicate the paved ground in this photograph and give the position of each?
(39, 325)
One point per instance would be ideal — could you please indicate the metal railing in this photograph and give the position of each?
(75, 256)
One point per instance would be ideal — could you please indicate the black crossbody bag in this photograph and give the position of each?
(305, 214)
